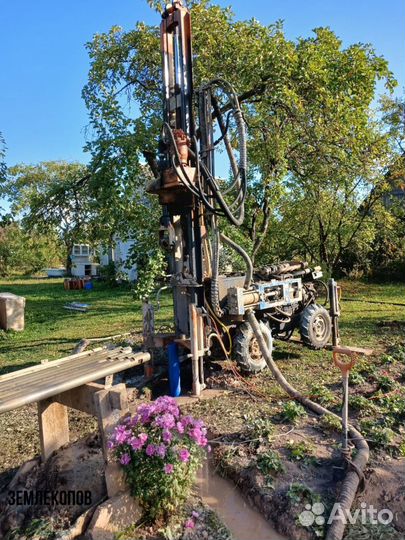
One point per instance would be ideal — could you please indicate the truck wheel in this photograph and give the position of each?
(315, 326)
(246, 349)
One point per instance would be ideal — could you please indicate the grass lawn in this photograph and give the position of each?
(52, 331)
(249, 423)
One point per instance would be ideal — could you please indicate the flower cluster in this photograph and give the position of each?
(164, 448)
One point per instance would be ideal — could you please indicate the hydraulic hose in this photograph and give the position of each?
(234, 210)
(214, 296)
(357, 465)
(244, 255)
(214, 292)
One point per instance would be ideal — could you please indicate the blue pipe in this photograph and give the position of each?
(174, 370)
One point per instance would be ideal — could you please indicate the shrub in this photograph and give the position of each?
(363, 405)
(301, 493)
(385, 383)
(160, 451)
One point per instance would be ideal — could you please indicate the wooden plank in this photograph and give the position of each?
(111, 405)
(53, 426)
(80, 398)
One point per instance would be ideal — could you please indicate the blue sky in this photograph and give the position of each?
(43, 62)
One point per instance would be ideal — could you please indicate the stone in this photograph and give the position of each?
(22, 473)
(113, 516)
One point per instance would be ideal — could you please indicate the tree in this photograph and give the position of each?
(316, 154)
(52, 197)
(3, 167)
(24, 252)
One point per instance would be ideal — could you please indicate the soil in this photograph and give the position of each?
(20, 437)
(75, 468)
(247, 426)
(238, 422)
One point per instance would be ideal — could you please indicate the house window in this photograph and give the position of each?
(85, 250)
(76, 249)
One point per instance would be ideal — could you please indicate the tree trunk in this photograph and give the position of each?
(69, 247)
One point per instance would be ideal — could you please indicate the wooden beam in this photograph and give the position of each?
(80, 398)
(53, 426)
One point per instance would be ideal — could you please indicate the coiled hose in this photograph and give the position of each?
(354, 474)
(214, 293)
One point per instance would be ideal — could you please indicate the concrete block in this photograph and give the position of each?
(12, 309)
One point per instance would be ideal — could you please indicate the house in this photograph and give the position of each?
(118, 254)
(396, 179)
(83, 264)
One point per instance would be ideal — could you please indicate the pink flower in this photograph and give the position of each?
(168, 468)
(150, 450)
(184, 455)
(146, 412)
(136, 443)
(187, 421)
(198, 436)
(165, 421)
(190, 523)
(166, 404)
(160, 450)
(125, 459)
(143, 437)
(180, 427)
(195, 514)
(167, 436)
(121, 434)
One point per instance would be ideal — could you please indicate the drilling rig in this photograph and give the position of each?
(210, 305)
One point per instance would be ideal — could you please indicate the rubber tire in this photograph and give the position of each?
(241, 351)
(307, 331)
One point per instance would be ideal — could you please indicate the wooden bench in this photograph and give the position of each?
(70, 382)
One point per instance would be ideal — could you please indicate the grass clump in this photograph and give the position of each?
(376, 433)
(323, 395)
(301, 450)
(293, 412)
(260, 428)
(363, 405)
(270, 463)
(330, 422)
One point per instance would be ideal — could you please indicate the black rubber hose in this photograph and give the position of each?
(244, 255)
(352, 480)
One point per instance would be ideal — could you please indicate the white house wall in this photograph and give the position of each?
(120, 253)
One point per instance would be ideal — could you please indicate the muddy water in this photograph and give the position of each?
(223, 496)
